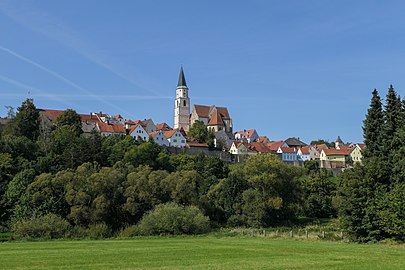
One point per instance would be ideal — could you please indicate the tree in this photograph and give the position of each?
(392, 118)
(199, 132)
(26, 122)
(322, 141)
(70, 118)
(372, 127)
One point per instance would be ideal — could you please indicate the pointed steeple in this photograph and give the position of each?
(182, 79)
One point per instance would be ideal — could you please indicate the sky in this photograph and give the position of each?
(285, 68)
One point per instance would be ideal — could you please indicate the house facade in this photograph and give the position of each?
(159, 138)
(247, 135)
(138, 132)
(175, 138)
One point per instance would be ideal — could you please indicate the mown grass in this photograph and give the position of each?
(199, 252)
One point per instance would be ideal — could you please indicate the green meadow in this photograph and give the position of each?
(199, 252)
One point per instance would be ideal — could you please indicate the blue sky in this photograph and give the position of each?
(286, 68)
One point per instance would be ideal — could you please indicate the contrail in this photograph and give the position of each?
(29, 87)
(60, 77)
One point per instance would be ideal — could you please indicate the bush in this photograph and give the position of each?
(49, 226)
(98, 231)
(173, 219)
(129, 231)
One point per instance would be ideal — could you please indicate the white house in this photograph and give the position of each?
(287, 153)
(175, 138)
(159, 138)
(246, 135)
(303, 153)
(137, 131)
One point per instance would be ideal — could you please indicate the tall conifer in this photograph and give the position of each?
(372, 126)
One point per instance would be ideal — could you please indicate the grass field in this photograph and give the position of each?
(200, 252)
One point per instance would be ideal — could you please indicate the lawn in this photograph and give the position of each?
(200, 252)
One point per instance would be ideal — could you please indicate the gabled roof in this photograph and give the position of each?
(132, 128)
(361, 145)
(163, 126)
(291, 142)
(170, 133)
(111, 128)
(51, 114)
(155, 133)
(275, 145)
(263, 139)
(216, 119)
(118, 116)
(246, 133)
(321, 146)
(259, 147)
(287, 149)
(305, 150)
(205, 111)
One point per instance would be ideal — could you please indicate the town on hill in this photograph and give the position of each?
(189, 122)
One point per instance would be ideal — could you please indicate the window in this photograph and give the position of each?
(184, 103)
(174, 140)
(182, 141)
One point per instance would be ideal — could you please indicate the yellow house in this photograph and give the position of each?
(341, 155)
(356, 155)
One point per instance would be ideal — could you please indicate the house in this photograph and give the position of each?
(294, 142)
(117, 119)
(241, 148)
(313, 152)
(287, 153)
(274, 146)
(303, 153)
(356, 154)
(341, 155)
(149, 125)
(163, 127)
(320, 147)
(159, 138)
(138, 131)
(246, 135)
(108, 129)
(175, 138)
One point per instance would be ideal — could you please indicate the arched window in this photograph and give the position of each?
(184, 103)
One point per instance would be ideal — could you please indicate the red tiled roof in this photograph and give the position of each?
(246, 133)
(337, 152)
(163, 126)
(362, 145)
(170, 133)
(204, 111)
(111, 128)
(259, 147)
(288, 150)
(305, 150)
(52, 114)
(275, 145)
(194, 144)
(263, 139)
(321, 146)
(118, 116)
(216, 119)
(132, 128)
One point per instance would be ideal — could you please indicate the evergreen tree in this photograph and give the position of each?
(26, 122)
(392, 119)
(372, 126)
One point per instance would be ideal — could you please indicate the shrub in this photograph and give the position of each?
(129, 231)
(49, 226)
(98, 231)
(173, 219)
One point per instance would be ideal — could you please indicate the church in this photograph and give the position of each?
(215, 118)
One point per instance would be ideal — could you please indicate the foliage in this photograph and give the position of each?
(26, 122)
(173, 219)
(70, 119)
(49, 226)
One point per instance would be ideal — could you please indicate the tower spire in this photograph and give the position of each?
(182, 79)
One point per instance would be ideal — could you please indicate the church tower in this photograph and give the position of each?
(182, 104)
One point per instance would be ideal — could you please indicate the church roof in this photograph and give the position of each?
(216, 119)
(182, 79)
(205, 111)
(339, 140)
(294, 142)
